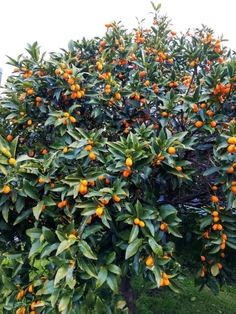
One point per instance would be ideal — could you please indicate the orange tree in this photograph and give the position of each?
(105, 148)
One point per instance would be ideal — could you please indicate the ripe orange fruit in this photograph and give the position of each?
(219, 227)
(21, 310)
(92, 156)
(30, 288)
(198, 124)
(72, 119)
(29, 122)
(216, 219)
(164, 114)
(214, 199)
(99, 211)
(179, 168)
(117, 96)
(12, 161)
(129, 162)
(6, 189)
(141, 224)
(116, 198)
(38, 99)
(126, 173)
(88, 147)
(219, 265)
(104, 201)
(233, 189)
(171, 150)
(213, 124)
(136, 221)
(231, 148)
(224, 236)
(83, 189)
(44, 151)
(65, 150)
(84, 182)
(9, 138)
(222, 246)
(149, 261)
(41, 180)
(215, 213)
(232, 140)
(230, 170)
(163, 226)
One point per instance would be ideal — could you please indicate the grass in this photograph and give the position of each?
(190, 301)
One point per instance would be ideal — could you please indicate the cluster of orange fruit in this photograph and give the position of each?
(139, 39)
(26, 73)
(216, 218)
(139, 222)
(127, 172)
(76, 91)
(231, 145)
(89, 149)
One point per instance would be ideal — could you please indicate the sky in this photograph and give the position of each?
(52, 23)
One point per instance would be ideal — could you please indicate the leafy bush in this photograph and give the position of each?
(105, 148)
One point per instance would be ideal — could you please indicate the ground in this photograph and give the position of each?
(189, 301)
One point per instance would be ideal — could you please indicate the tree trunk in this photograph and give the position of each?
(128, 294)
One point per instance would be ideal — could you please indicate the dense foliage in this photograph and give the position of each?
(104, 150)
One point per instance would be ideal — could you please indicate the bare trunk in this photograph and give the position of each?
(128, 294)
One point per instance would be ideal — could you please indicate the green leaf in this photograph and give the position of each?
(22, 216)
(86, 250)
(166, 210)
(30, 190)
(134, 233)
(114, 269)
(132, 248)
(64, 245)
(156, 248)
(63, 304)
(37, 210)
(102, 277)
(61, 273)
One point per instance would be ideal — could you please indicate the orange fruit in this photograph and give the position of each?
(198, 124)
(116, 198)
(9, 138)
(72, 119)
(171, 150)
(41, 180)
(230, 170)
(6, 189)
(136, 221)
(12, 161)
(88, 147)
(149, 261)
(233, 189)
(129, 162)
(83, 189)
(215, 213)
(84, 182)
(213, 124)
(141, 224)
(179, 168)
(29, 122)
(92, 156)
(214, 199)
(231, 148)
(99, 211)
(232, 140)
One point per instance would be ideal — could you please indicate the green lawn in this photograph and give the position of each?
(190, 301)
